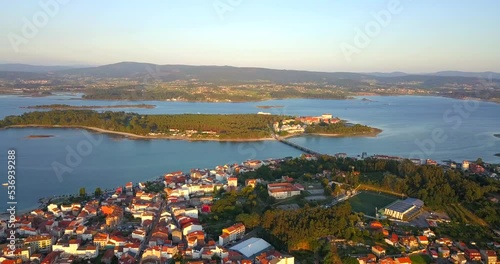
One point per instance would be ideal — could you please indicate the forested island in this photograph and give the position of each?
(80, 107)
(39, 136)
(230, 127)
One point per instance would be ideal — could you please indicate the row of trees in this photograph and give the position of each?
(83, 193)
(301, 229)
(340, 128)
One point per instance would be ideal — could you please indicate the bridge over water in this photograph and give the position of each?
(296, 146)
(293, 145)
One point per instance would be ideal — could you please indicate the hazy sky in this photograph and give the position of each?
(326, 35)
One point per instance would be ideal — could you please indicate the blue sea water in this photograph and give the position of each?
(413, 126)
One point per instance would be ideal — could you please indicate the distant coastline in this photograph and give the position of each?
(347, 97)
(81, 107)
(269, 106)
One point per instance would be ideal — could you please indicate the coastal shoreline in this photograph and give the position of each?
(86, 107)
(348, 97)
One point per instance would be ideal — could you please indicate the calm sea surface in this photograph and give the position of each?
(420, 127)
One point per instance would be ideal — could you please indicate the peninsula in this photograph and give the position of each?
(218, 127)
(269, 106)
(39, 136)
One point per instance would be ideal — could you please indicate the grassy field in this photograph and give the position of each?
(459, 213)
(366, 202)
(420, 259)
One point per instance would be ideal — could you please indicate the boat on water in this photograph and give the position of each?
(5, 184)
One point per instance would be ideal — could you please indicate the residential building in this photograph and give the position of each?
(101, 239)
(403, 260)
(423, 240)
(282, 190)
(232, 182)
(489, 256)
(51, 258)
(251, 182)
(232, 233)
(472, 254)
(378, 251)
(39, 243)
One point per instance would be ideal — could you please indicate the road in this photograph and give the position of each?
(150, 232)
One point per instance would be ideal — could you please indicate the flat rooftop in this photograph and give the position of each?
(251, 246)
(400, 206)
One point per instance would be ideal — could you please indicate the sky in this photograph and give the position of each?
(320, 35)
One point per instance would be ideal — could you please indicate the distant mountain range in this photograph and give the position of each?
(233, 74)
(493, 75)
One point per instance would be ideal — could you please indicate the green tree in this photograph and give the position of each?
(83, 193)
(337, 190)
(249, 220)
(98, 191)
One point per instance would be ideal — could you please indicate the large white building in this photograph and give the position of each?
(282, 190)
(404, 209)
(251, 247)
(73, 247)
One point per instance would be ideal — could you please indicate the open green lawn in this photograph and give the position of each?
(420, 259)
(366, 202)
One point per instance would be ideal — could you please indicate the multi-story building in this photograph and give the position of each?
(489, 256)
(39, 243)
(472, 254)
(101, 239)
(232, 233)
